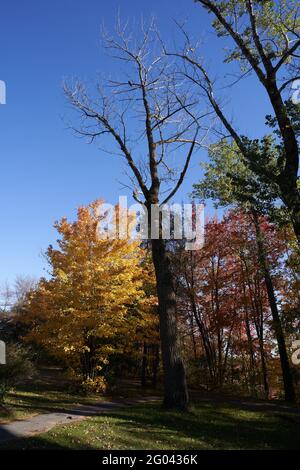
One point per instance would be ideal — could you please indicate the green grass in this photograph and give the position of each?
(45, 394)
(213, 423)
(207, 426)
(23, 404)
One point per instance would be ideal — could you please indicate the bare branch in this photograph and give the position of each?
(287, 54)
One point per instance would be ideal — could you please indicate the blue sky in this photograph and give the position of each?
(45, 171)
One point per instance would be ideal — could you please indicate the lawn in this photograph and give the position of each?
(45, 393)
(211, 423)
(208, 425)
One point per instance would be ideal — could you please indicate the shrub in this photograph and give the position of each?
(96, 385)
(18, 367)
(89, 386)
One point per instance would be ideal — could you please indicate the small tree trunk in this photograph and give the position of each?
(193, 336)
(155, 365)
(175, 386)
(144, 366)
(251, 354)
(264, 369)
(289, 390)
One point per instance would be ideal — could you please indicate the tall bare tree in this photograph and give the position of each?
(153, 121)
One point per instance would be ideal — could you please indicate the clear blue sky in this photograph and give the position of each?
(45, 171)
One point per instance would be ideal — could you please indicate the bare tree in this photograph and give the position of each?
(22, 286)
(148, 113)
(6, 297)
(12, 297)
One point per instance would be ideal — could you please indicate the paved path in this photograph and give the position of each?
(44, 422)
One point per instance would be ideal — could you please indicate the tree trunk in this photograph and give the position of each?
(193, 336)
(250, 349)
(264, 369)
(175, 387)
(155, 365)
(144, 366)
(289, 390)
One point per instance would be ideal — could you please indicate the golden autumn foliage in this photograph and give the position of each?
(95, 303)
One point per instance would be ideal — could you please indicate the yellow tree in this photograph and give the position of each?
(94, 303)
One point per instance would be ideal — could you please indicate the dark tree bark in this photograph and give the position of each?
(176, 393)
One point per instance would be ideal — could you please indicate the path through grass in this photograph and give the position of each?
(207, 426)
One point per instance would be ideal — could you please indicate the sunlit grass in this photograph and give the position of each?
(206, 426)
(23, 404)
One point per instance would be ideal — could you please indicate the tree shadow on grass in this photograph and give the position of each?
(205, 428)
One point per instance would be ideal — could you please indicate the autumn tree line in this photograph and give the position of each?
(225, 315)
(97, 312)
